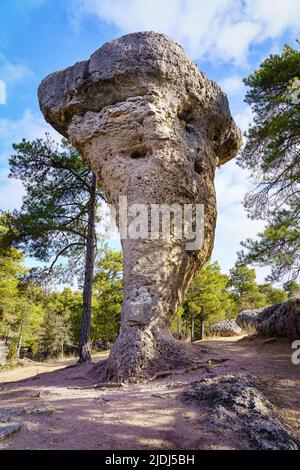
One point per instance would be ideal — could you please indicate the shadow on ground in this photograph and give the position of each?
(149, 415)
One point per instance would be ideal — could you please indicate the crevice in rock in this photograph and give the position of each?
(139, 153)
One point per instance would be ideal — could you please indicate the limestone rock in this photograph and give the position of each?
(236, 404)
(153, 128)
(269, 340)
(247, 319)
(281, 319)
(6, 414)
(8, 429)
(225, 328)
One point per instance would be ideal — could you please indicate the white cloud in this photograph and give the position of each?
(233, 40)
(274, 16)
(2, 92)
(218, 30)
(232, 85)
(12, 192)
(244, 118)
(233, 225)
(12, 72)
(232, 183)
(30, 126)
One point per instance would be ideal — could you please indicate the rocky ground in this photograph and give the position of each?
(244, 393)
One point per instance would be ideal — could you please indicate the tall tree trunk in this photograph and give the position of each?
(179, 325)
(202, 318)
(20, 340)
(202, 330)
(85, 348)
(186, 327)
(192, 327)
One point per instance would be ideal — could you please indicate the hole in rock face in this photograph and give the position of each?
(186, 114)
(198, 165)
(189, 128)
(138, 153)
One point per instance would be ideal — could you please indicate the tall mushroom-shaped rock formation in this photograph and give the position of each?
(153, 128)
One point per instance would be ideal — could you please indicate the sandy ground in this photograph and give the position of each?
(144, 416)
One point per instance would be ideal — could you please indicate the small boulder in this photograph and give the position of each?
(281, 319)
(225, 328)
(247, 319)
(8, 429)
(233, 402)
(6, 414)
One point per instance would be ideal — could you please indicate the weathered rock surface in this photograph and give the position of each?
(8, 413)
(153, 128)
(225, 328)
(2, 353)
(8, 425)
(8, 416)
(234, 402)
(8, 429)
(282, 319)
(247, 320)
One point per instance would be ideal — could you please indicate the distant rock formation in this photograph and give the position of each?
(281, 319)
(225, 328)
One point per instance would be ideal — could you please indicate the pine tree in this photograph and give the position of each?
(58, 217)
(207, 300)
(108, 297)
(272, 154)
(244, 288)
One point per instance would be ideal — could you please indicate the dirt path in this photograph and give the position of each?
(59, 413)
(37, 368)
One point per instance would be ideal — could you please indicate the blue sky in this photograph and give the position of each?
(227, 38)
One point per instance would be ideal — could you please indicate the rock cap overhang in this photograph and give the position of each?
(134, 65)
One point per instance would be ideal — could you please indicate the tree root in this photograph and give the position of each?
(208, 366)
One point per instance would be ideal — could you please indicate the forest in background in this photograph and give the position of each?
(57, 225)
(46, 323)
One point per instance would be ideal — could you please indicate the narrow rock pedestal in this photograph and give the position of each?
(153, 129)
